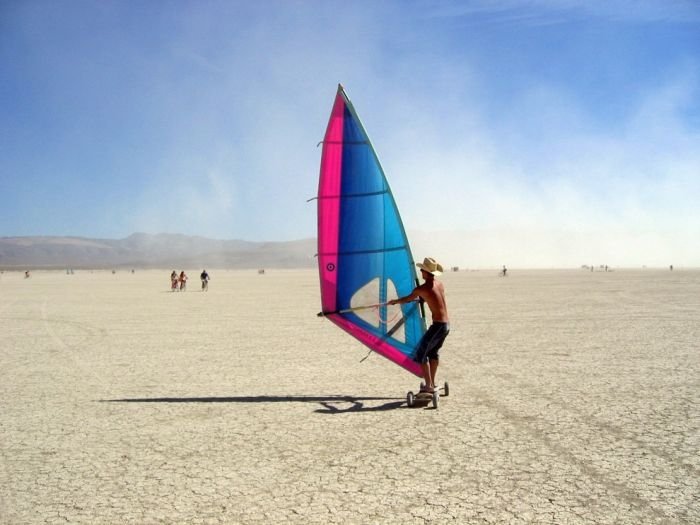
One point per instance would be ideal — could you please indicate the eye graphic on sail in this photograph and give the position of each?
(364, 258)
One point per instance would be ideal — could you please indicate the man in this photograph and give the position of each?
(433, 293)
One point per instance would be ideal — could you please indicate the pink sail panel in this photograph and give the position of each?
(329, 205)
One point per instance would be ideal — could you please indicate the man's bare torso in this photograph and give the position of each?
(433, 293)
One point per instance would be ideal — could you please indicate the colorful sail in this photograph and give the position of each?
(364, 258)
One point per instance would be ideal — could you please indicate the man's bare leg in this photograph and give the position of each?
(433, 372)
(427, 378)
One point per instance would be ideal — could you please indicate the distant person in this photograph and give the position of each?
(671, 267)
(183, 281)
(173, 281)
(204, 276)
(504, 271)
(433, 293)
(27, 274)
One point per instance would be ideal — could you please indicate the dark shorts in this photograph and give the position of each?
(430, 344)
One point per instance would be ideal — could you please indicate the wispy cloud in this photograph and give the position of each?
(549, 12)
(553, 177)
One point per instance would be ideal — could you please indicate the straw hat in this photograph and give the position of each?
(430, 265)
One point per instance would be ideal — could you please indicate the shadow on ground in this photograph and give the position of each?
(335, 404)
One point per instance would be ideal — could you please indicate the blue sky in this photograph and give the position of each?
(203, 117)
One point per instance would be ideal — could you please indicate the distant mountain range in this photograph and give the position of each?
(467, 249)
(142, 250)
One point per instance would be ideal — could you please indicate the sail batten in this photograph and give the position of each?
(363, 254)
(370, 194)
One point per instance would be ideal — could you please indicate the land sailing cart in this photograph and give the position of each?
(422, 399)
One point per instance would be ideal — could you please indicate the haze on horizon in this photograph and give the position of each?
(546, 133)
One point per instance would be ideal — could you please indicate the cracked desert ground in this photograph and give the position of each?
(574, 398)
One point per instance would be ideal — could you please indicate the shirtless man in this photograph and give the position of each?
(433, 293)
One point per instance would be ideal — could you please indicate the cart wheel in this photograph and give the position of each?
(410, 399)
(447, 389)
(436, 399)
